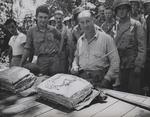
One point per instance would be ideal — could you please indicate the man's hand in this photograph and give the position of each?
(105, 84)
(75, 70)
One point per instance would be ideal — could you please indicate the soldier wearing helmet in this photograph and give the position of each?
(130, 42)
(118, 3)
(66, 43)
(146, 4)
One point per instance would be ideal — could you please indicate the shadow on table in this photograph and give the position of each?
(54, 105)
(63, 108)
(11, 104)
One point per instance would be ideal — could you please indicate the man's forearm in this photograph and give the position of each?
(25, 55)
(113, 71)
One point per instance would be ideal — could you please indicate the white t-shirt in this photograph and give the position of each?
(17, 43)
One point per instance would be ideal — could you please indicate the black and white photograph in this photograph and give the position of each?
(74, 58)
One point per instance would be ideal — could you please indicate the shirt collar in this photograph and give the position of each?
(95, 37)
(37, 28)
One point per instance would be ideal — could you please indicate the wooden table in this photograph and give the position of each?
(14, 106)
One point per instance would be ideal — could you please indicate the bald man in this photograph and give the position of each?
(96, 57)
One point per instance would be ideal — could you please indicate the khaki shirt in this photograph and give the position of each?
(131, 43)
(47, 42)
(97, 54)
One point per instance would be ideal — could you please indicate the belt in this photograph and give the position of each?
(17, 56)
(90, 73)
(93, 76)
(48, 55)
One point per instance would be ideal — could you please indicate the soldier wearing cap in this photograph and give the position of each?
(100, 18)
(52, 21)
(96, 57)
(66, 43)
(44, 42)
(109, 23)
(130, 41)
(67, 22)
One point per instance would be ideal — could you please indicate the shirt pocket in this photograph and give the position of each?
(50, 37)
(131, 41)
(97, 54)
(38, 41)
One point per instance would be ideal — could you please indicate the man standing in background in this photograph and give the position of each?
(66, 43)
(130, 42)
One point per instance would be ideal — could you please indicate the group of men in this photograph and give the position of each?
(106, 60)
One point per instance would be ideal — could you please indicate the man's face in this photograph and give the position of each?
(42, 19)
(101, 10)
(122, 11)
(135, 5)
(86, 23)
(58, 19)
(108, 13)
(12, 28)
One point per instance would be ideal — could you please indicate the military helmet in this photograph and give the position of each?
(118, 3)
(146, 1)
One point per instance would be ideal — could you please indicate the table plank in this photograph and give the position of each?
(92, 109)
(116, 110)
(121, 107)
(147, 101)
(136, 98)
(19, 106)
(53, 113)
(139, 112)
(34, 111)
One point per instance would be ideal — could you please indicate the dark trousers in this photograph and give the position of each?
(93, 76)
(15, 61)
(146, 78)
(130, 82)
(50, 65)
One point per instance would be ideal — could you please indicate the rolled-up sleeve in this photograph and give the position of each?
(114, 60)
